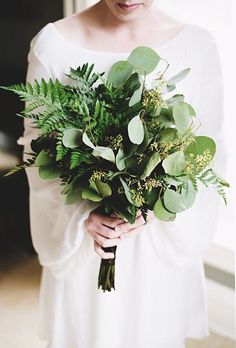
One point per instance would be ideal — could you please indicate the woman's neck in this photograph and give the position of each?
(109, 21)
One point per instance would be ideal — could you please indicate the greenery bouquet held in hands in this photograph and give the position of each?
(116, 142)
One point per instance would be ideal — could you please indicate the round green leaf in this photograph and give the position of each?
(104, 152)
(144, 59)
(103, 188)
(168, 134)
(182, 114)
(200, 145)
(188, 194)
(73, 196)
(151, 165)
(178, 77)
(44, 159)
(136, 130)
(91, 195)
(173, 201)
(120, 72)
(120, 160)
(142, 147)
(87, 141)
(162, 213)
(133, 83)
(49, 172)
(72, 138)
(178, 202)
(127, 191)
(136, 97)
(175, 163)
(175, 99)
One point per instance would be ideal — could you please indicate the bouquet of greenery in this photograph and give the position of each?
(115, 142)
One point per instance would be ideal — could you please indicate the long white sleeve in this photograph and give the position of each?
(193, 230)
(57, 229)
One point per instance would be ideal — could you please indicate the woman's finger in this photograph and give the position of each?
(98, 249)
(107, 231)
(131, 233)
(126, 226)
(106, 242)
(109, 221)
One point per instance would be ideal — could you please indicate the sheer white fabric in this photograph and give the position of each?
(160, 290)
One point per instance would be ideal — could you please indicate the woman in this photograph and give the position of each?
(160, 291)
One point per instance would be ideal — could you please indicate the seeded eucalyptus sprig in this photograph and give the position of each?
(118, 143)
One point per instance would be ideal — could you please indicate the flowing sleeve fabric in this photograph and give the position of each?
(193, 230)
(57, 229)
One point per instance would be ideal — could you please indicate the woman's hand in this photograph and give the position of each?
(102, 230)
(129, 230)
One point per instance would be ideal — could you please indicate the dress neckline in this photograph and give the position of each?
(79, 46)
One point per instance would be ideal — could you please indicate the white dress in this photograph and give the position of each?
(160, 296)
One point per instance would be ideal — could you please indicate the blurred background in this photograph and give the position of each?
(20, 272)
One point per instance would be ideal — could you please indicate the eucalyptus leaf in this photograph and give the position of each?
(49, 172)
(144, 58)
(182, 117)
(72, 138)
(175, 163)
(44, 159)
(133, 83)
(129, 151)
(91, 195)
(168, 89)
(177, 202)
(173, 201)
(103, 188)
(120, 160)
(136, 97)
(87, 141)
(120, 72)
(142, 147)
(105, 152)
(154, 160)
(175, 99)
(136, 130)
(168, 134)
(127, 191)
(151, 197)
(174, 181)
(201, 144)
(73, 196)
(188, 194)
(162, 213)
(178, 77)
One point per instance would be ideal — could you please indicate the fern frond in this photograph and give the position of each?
(194, 182)
(61, 150)
(208, 176)
(28, 163)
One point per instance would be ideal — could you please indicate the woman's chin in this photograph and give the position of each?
(128, 14)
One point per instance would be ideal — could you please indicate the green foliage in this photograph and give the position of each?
(85, 78)
(201, 144)
(144, 59)
(153, 161)
(115, 142)
(162, 213)
(182, 114)
(136, 130)
(120, 72)
(72, 137)
(175, 163)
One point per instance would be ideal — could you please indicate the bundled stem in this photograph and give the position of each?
(106, 278)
